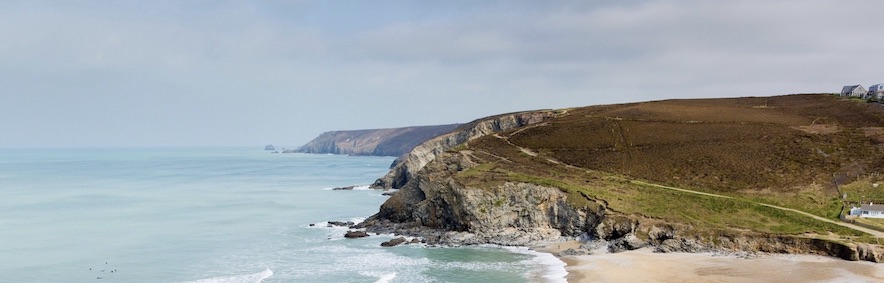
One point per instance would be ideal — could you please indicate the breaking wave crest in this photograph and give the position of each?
(245, 278)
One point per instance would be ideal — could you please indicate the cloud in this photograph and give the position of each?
(242, 64)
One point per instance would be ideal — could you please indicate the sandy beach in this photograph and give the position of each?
(644, 265)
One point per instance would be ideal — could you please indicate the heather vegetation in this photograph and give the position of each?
(787, 151)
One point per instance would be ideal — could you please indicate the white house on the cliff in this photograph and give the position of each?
(853, 91)
(876, 91)
(870, 210)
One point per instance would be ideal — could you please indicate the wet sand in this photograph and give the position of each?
(646, 266)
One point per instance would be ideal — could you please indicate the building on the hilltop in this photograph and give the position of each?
(870, 210)
(876, 92)
(853, 91)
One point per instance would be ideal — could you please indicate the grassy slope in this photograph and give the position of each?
(778, 150)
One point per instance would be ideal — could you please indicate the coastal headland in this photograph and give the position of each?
(377, 142)
(736, 175)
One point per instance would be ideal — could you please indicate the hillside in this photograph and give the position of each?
(377, 142)
(755, 174)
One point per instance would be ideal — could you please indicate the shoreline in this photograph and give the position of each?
(645, 265)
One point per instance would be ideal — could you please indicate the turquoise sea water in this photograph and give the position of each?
(215, 215)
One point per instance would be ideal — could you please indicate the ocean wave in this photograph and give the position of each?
(244, 278)
(361, 264)
(357, 220)
(553, 268)
(353, 188)
(382, 277)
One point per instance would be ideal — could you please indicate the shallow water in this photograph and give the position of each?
(214, 215)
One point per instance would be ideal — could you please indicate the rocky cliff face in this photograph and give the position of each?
(417, 158)
(620, 233)
(435, 206)
(509, 214)
(519, 179)
(377, 142)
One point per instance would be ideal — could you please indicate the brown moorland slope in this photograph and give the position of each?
(753, 174)
(787, 151)
(782, 143)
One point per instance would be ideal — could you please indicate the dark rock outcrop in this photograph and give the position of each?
(340, 223)
(393, 242)
(355, 234)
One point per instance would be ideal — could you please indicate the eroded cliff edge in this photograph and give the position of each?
(407, 165)
(442, 210)
(498, 186)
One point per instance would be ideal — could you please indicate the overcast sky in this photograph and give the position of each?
(214, 73)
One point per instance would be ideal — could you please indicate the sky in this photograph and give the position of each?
(249, 73)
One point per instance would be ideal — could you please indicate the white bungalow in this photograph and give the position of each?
(870, 210)
(876, 91)
(853, 91)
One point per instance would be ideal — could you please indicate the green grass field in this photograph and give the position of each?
(863, 190)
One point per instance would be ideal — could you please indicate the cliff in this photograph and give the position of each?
(742, 174)
(377, 142)
(405, 167)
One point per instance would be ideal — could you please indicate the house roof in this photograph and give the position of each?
(849, 88)
(876, 207)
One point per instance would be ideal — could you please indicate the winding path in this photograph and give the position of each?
(875, 233)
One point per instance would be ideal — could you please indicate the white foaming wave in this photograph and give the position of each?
(355, 188)
(245, 278)
(553, 267)
(382, 277)
(325, 224)
(317, 225)
(377, 264)
(475, 266)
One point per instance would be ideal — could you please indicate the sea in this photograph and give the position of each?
(217, 215)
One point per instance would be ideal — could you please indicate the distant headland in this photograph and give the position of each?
(374, 142)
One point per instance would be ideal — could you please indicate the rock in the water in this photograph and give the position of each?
(347, 188)
(269, 147)
(355, 234)
(415, 241)
(393, 242)
(340, 223)
(389, 193)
